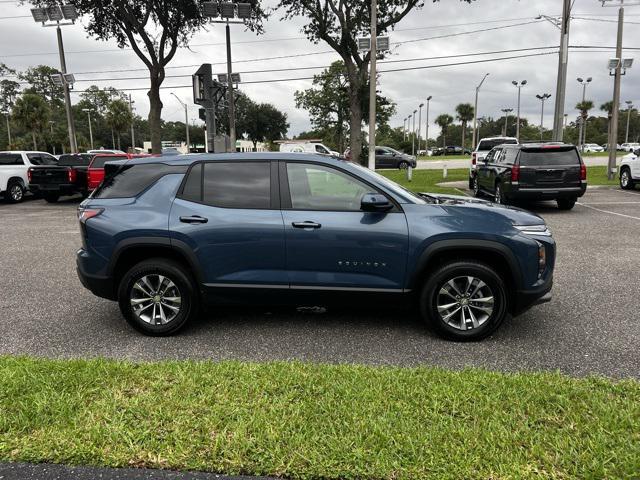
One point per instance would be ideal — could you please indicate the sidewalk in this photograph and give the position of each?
(26, 471)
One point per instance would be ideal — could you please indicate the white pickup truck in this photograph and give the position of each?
(14, 165)
(630, 170)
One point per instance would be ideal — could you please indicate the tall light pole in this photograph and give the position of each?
(88, 111)
(133, 132)
(413, 134)
(56, 14)
(8, 129)
(420, 125)
(629, 108)
(404, 128)
(186, 120)
(506, 112)
(475, 113)
(582, 131)
(519, 86)
(543, 98)
(563, 62)
(427, 124)
(373, 53)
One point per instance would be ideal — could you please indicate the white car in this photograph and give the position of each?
(592, 148)
(485, 145)
(14, 165)
(630, 170)
(307, 147)
(629, 147)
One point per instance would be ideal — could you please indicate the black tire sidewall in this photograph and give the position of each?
(429, 297)
(178, 275)
(8, 195)
(566, 203)
(629, 182)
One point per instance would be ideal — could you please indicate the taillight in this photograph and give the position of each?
(515, 173)
(583, 171)
(71, 173)
(87, 213)
(29, 175)
(473, 158)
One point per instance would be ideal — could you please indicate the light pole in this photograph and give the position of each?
(629, 108)
(475, 113)
(420, 125)
(519, 87)
(506, 112)
(133, 132)
(427, 124)
(186, 120)
(543, 98)
(8, 129)
(404, 128)
(88, 110)
(413, 133)
(56, 14)
(582, 132)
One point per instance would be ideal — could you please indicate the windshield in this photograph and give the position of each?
(391, 185)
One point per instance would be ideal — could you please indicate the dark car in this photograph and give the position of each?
(164, 236)
(451, 150)
(532, 172)
(387, 157)
(68, 177)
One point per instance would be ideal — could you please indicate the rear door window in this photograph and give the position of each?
(510, 155)
(7, 159)
(131, 180)
(549, 157)
(42, 159)
(237, 184)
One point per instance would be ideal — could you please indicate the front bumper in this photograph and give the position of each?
(525, 299)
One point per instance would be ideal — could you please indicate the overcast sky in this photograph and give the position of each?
(24, 43)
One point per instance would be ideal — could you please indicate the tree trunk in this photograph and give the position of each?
(155, 112)
(35, 143)
(119, 148)
(355, 127)
(444, 139)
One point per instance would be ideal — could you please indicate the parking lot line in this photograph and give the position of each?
(607, 211)
(611, 203)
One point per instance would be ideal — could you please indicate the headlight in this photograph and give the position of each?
(538, 230)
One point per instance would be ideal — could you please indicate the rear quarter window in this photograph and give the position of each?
(549, 157)
(7, 159)
(131, 180)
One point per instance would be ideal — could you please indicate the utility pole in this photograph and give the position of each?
(613, 134)
(230, 96)
(543, 98)
(475, 114)
(67, 96)
(427, 124)
(133, 134)
(420, 126)
(8, 130)
(186, 120)
(88, 110)
(519, 87)
(506, 112)
(404, 128)
(629, 108)
(372, 85)
(563, 62)
(413, 134)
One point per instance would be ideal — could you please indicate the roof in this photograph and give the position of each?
(236, 157)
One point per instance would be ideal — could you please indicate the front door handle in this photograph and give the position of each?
(194, 219)
(307, 224)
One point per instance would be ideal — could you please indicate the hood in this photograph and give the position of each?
(517, 216)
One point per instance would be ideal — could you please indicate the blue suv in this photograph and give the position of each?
(167, 236)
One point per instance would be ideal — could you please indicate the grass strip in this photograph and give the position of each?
(311, 421)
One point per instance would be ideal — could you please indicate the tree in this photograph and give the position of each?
(40, 83)
(31, 112)
(444, 121)
(118, 117)
(263, 123)
(339, 23)
(9, 89)
(465, 113)
(154, 29)
(584, 107)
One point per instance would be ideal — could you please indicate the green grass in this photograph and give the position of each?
(444, 157)
(597, 175)
(309, 421)
(426, 180)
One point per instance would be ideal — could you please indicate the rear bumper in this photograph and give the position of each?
(101, 286)
(527, 193)
(59, 189)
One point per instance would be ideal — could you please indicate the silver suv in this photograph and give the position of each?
(485, 145)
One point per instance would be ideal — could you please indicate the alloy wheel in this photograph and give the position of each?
(498, 194)
(155, 299)
(465, 303)
(624, 179)
(16, 193)
(476, 186)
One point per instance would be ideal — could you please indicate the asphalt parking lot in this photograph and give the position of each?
(590, 327)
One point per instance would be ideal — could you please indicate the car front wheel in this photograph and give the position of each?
(626, 183)
(157, 297)
(403, 165)
(464, 300)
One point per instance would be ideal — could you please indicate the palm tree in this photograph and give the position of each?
(444, 121)
(465, 113)
(31, 112)
(118, 116)
(584, 108)
(607, 107)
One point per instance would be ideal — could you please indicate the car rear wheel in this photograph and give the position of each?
(15, 192)
(51, 197)
(476, 187)
(403, 165)
(499, 195)
(464, 300)
(566, 203)
(626, 182)
(157, 297)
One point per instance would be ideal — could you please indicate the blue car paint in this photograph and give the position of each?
(351, 251)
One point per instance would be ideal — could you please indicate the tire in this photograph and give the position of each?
(403, 165)
(15, 192)
(51, 197)
(144, 281)
(476, 187)
(481, 318)
(566, 203)
(498, 196)
(626, 182)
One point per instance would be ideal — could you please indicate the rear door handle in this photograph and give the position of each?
(307, 224)
(194, 219)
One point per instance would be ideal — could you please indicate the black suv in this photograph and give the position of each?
(532, 172)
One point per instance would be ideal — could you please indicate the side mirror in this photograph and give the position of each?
(637, 152)
(375, 202)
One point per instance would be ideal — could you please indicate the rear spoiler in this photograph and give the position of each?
(541, 148)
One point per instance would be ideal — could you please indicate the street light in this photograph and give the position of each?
(88, 110)
(543, 98)
(186, 120)
(506, 112)
(582, 134)
(420, 125)
(7, 114)
(427, 124)
(475, 114)
(413, 133)
(56, 14)
(519, 87)
(629, 108)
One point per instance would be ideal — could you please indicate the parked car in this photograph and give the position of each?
(629, 147)
(68, 177)
(95, 174)
(387, 157)
(533, 172)
(451, 150)
(592, 148)
(483, 148)
(14, 165)
(163, 236)
(630, 170)
(102, 151)
(307, 147)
